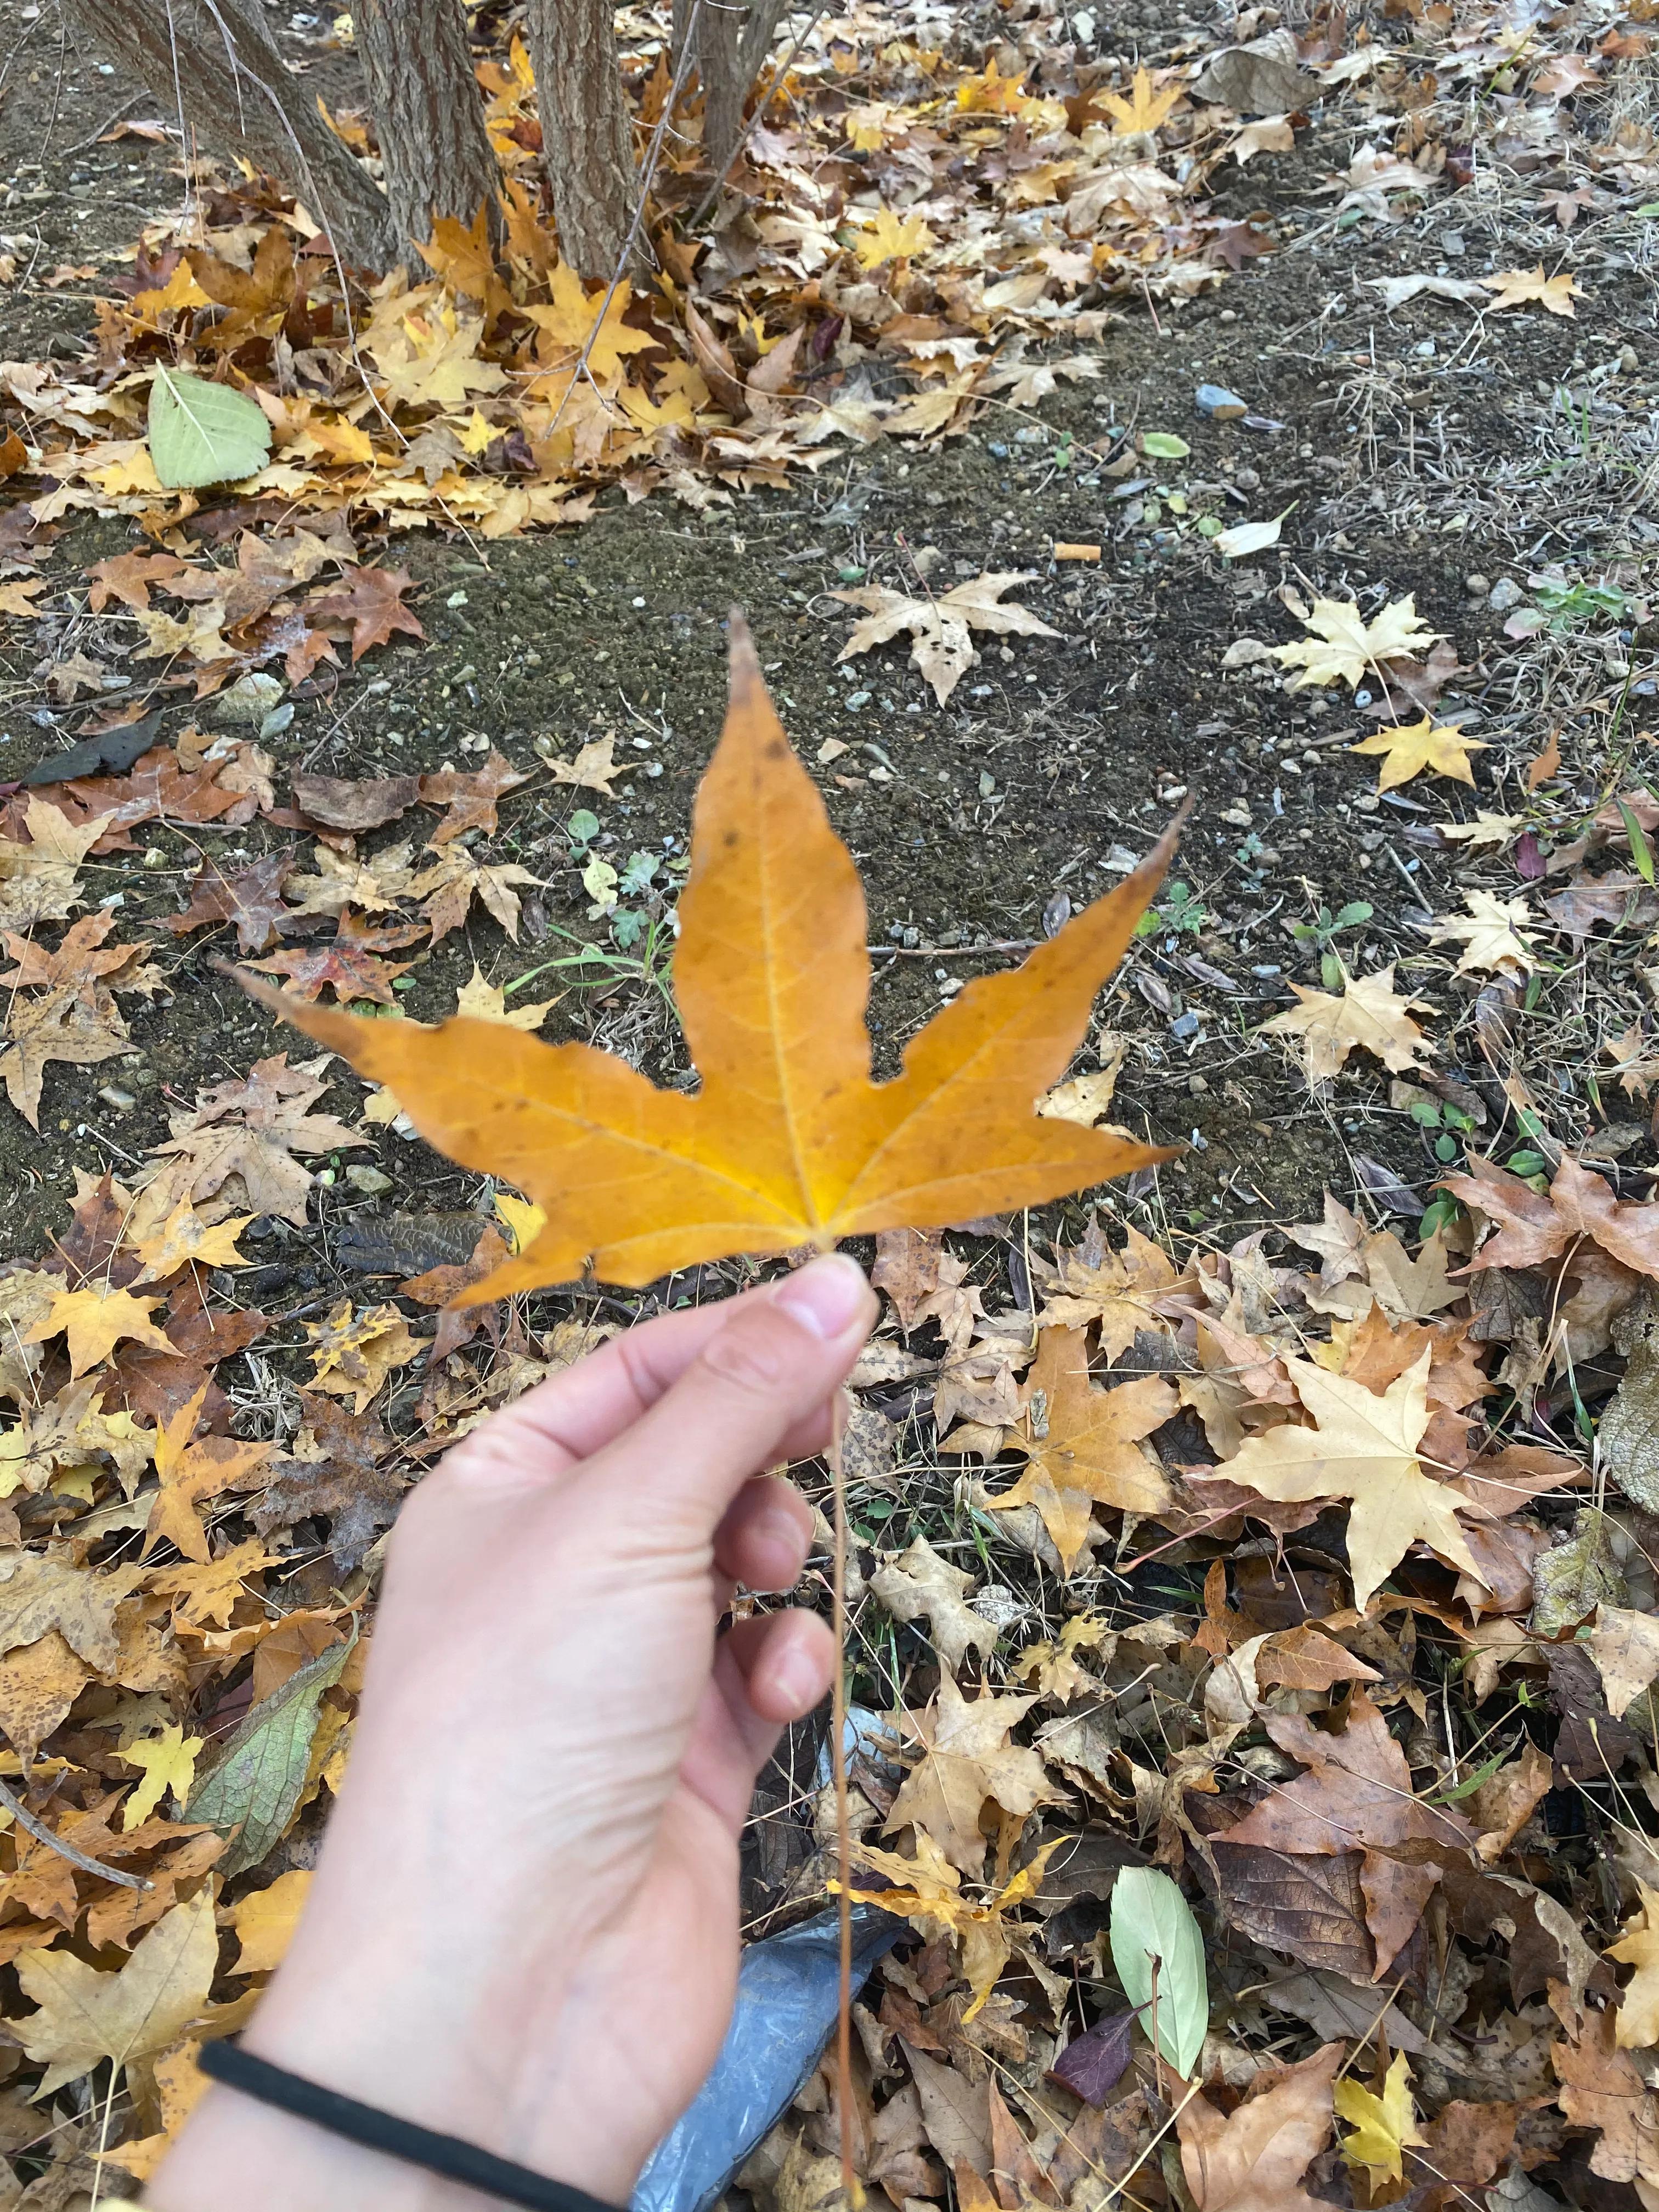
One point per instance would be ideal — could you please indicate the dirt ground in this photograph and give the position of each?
(1418, 451)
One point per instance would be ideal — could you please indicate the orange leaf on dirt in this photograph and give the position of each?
(470, 799)
(1535, 1227)
(190, 1471)
(373, 604)
(349, 967)
(95, 1319)
(788, 1142)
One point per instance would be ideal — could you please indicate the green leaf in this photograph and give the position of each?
(201, 432)
(1425, 1113)
(1164, 446)
(1640, 851)
(255, 1785)
(1151, 1919)
(1436, 1214)
(1354, 913)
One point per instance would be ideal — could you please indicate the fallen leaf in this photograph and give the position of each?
(1535, 1227)
(94, 1319)
(250, 898)
(86, 2016)
(168, 1763)
(1624, 1645)
(40, 880)
(190, 1470)
(1602, 2089)
(469, 800)
(265, 1919)
(1369, 1015)
(354, 804)
(1344, 647)
(1364, 1447)
(350, 966)
(371, 605)
(1384, 2127)
(1253, 2159)
(594, 768)
(1082, 1445)
(941, 630)
(917, 1584)
(1525, 287)
(789, 1141)
(966, 1759)
(354, 1353)
(1492, 936)
(1408, 750)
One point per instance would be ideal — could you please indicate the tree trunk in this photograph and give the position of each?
(587, 141)
(731, 40)
(238, 97)
(435, 154)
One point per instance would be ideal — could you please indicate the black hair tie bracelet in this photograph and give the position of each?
(447, 2156)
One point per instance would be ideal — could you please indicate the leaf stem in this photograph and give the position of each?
(849, 2180)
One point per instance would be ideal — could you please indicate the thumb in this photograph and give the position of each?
(776, 1361)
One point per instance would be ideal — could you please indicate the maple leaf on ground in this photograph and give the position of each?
(350, 967)
(1636, 2027)
(372, 603)
(245, 1132)
(1082, 1445)
(86, 2016)
(207, 1590)
(1363, 1447)
(265, 1919)
(1253, 2159)
(1344, 647)
(593, 768)
(1356, 1796)
(917, 1584)
(789, 1141)
(430, 359)
(465, 259)
(354, 1353)
(1601, 2088)
(930, 1897)
(1143, 110)
(1384, 2127)
(565, 327)
(249, 898)
(1371, 1014)
(1535, 1227)
(889, 237)
(487, 1002)
(1490, 935)
(457, 877)
(374, 884)
(941, 630)
(40, 879)
(167, 1762)
(470, 799)
(184, 1239)
(1408, 748)
(1115, 1289)
(336, 1473)
(967, 1759)
(190, 1471)
(1529, 288)
(94, 1319)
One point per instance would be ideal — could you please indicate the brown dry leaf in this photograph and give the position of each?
(350, 967)
(371, 605)
(1364, 1447)
(789, 1141)
(1600, 2088)
(40, 880)
(250, 898)
(456, 877)
(337, 1473)
(1526, 288)
(967, 1759)
(42, 1595)
(1115, 1289)
(374, 884)
(1624, 1645)
(941, 630)
(1506, 1800)
(1356, 1795)
(1082, 1445)
(238, 1146)
(1254, 2158)
(1369, 1015)
(354, 804)
(1534, 1228)
(470, 799)
(917, 1584)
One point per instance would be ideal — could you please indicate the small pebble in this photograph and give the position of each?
(1504, 594)
(1220, 404)
(1196, 1085)
(1477, 587)
(1452, 243)
(1629, 360)
(372, 1183)
(122, 1101)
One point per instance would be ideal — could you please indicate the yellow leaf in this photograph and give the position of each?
(95, 1319)
(266, 1920)
(568, 323)
(168, 1761)
(184, 1236)
(354, 1355)
(788, 1142)
(189, 1471)
(208, 1589)
(1384, 2127)
(487, 1002)
(1145, 108)
(525, 1223)
(1362, 1446)
(478, 434)
(1490, 935)
(1344, 646)
(85, 2016)
(1409, 748)
(180, 2085)
(1524, 288)
(889, 237)
(435, 362)
(181, 290)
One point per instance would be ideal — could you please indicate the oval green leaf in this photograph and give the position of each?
(253, 1789)
(1151, 1919)
(201, 432)
(1164, 446)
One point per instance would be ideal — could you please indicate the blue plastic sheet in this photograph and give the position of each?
(785, 2011)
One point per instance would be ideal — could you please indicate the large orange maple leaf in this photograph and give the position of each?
(788, 1142)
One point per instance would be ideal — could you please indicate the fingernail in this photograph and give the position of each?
(784, 1542)
(798, 1682)
(827, 1296)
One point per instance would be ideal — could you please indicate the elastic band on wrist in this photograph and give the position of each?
(373, 2129)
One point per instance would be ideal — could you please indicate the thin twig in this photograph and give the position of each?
(32, 1825)
(849, 2180)
(760, 107)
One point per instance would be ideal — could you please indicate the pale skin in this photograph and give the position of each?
(523, 1928)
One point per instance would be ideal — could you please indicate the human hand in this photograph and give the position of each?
(523, 1928)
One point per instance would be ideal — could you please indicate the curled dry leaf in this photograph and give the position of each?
(1253, 2159)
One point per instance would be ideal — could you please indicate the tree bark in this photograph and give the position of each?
(435, 154)
(731, 40)
(217, 59)
(587, 141)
